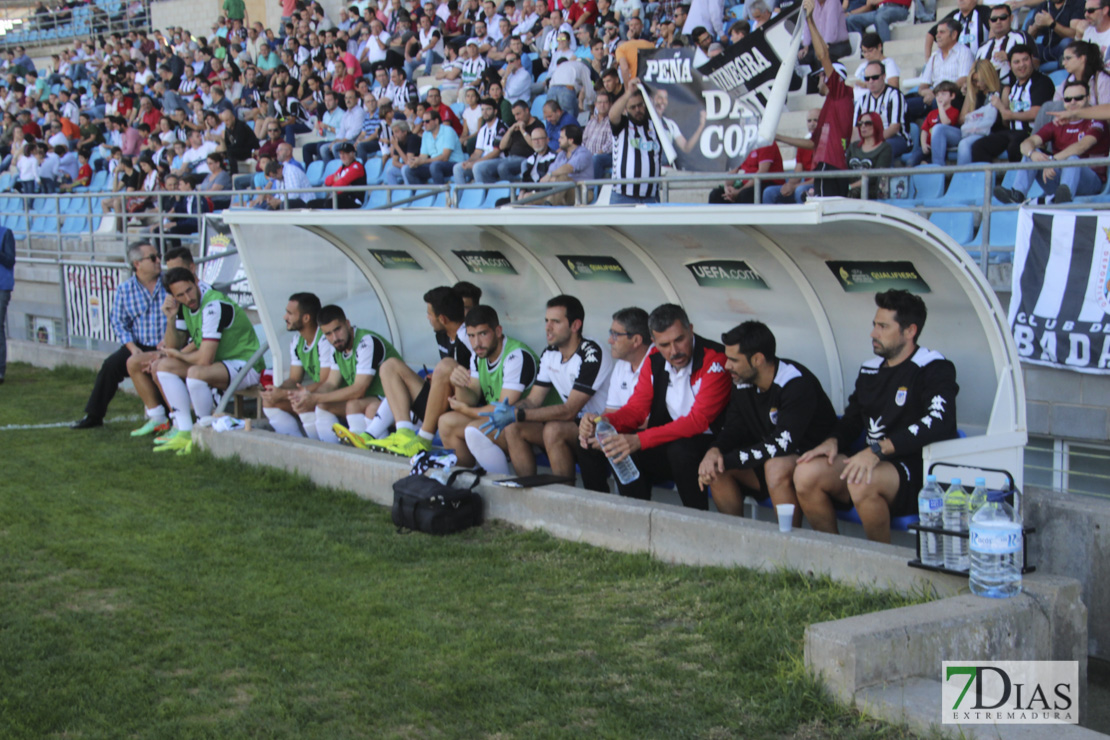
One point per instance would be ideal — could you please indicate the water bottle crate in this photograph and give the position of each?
(916, 562)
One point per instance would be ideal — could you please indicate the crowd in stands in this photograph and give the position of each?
(985, 95)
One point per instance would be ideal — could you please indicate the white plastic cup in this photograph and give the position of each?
(786, 516)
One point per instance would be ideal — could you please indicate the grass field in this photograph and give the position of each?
(147, 595)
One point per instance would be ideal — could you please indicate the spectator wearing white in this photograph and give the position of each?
(1084, 63)
(950, 61)
(871, 49)
(349, 128)
(492, 19)
(517, 80)
(194, 161)
(1096, 24)
(471, 64)
(449, 74)
(373, 44)
(889, 103)
(486, 144)
(974, 20)
(292, 172)
(570, 83)
(431, 48)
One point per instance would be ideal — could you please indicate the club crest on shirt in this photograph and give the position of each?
(774, 415)
(900, 396)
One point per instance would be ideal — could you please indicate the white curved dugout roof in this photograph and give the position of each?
(378, 265)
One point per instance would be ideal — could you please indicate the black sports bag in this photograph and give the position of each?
(426, 505)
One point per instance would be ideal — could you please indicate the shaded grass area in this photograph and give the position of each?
(153, 596)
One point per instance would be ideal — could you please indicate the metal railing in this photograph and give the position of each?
(40, 223)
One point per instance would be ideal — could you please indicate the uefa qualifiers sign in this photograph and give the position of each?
(1039, 692)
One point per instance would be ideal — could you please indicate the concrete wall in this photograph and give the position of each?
(1061, 403)
(1073, 539)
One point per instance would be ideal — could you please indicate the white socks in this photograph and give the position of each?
(201, 394)
(486, 452)
(158, 413)
(283, 422)
(356, 423)
(379, 426)
(325, 420)
(308, 421)
(177, 395)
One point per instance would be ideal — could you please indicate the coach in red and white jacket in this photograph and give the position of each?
(351, 173)
(682, 391)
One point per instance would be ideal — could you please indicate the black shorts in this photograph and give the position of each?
(909, 485)
(420, 403)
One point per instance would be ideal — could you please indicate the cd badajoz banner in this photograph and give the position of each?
(711, 114)
(1060, 302)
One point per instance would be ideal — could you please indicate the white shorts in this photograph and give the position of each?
(234, 366)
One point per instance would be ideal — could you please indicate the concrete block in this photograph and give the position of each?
(1096, 390)
(52, 355)
(1046, 622)
(1073, 539)
(1047, 384)
(574, 514)
(704, 538)
(917, 703)
(1079, 422)
(1038, 417)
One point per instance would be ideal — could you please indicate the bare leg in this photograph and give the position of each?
(144, 380)
(872, 501)
(728, 494)
(817, 484)
(438, 394)
(558, 438)
(779, 473)
(519, 438)
(451, 428)
(401, 385)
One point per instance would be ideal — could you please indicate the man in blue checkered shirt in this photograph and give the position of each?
(138, 322)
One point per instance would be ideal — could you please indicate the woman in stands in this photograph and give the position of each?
(152, 181)
(217, 179)
(27, 165)
(127, 180)
(1083, 61)
(471, 115)
(982, 84)
(869, 153)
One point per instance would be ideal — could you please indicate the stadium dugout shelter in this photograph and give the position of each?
(808, 271)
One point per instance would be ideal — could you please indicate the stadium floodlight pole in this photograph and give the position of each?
(776, 101)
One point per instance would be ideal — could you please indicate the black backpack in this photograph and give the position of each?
(425, 504)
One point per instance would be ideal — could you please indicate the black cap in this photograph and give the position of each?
(346, 146)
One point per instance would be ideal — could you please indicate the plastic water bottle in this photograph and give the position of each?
(978, 498)
(996, 549)
(955, 520)
(626, 470)
(930, 503)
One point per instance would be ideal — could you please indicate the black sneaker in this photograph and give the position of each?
(89, 422)
(1063, 195)
(1007, 196)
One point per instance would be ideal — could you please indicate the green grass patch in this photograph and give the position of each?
(154, 596)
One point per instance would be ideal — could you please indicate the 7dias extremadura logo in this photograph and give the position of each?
(1010, 692)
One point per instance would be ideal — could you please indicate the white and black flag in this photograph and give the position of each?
(1060, 304)
(89, 293)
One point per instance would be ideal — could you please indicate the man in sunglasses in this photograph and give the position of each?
(889, 103)
(138, 323)
(1070, 136)
(1001, 40)
(1095, 26)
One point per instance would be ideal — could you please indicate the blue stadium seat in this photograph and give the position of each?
(330, 169)
(959, 226)
(375, 198)
(6, 181)
(441, 200)
(426, 202)
(1057, 76)
(315, 172)
(373, 170)
(99, 178)
(965, 188)
(926, 184)
(470, 198)
(537, 106)
(400, 195)
(493, 195)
